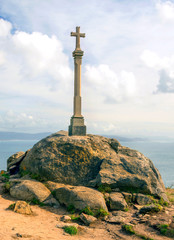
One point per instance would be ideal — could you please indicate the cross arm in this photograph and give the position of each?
(74, 34)
(82, 35)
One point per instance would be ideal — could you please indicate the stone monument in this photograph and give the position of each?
(77, 126)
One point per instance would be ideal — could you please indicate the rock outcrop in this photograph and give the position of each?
(93, 161)
(80, 197)
(30, 190)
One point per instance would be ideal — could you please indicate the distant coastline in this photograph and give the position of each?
(9, 136)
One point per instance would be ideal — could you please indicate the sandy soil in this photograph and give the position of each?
(42, 226)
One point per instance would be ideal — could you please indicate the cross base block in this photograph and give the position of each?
(77, 127)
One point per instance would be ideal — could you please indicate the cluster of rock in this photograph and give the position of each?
(89, 161)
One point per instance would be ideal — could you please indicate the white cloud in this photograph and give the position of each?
(5, 28)
(166, 10)
(34, 65)
(164, 66)
(112, 86)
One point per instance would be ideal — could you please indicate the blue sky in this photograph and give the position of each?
(127, 71)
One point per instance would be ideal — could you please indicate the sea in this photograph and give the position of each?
(161, 154)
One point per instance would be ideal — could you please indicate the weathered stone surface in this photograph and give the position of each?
(52, 202)
(117, 201)
(65, 218)
(91, 161)
(116, 219)
(80, 197)
(127, 197)
(141, 199)
(52, 186)
(87, 219)
(29, 190)
(150, 208)
(23, 208)
(14, 159)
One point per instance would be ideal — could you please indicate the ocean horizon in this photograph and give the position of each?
(161, 153)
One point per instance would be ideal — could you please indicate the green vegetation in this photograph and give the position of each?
(162, 202)
(71, 209)
(170, 194)
(87, 210)
(75, 217)
(11, 206)
(101, 213)
(5, 175)
(104, 188)
(126, 209)
(130, 230)
(7, 187)
(53, 193)
(37, 202)
(166, 230)
(71, 230)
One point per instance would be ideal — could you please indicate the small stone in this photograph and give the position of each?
(52, 202)
(115, 190)
(87, 219)
(127, 196)
(65, 218)
(142, 199)
(150, 208)
(115, 219)
(63, 224)
(23, 208)
(117, 201)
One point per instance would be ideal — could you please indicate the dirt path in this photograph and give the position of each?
(42, 226)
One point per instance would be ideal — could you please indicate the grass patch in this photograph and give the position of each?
(7, 187)
(53, 193)
(104, 188)
(87, 210)
(129, 229)
(5, 175)
(101, 213)
(11, 206)
(37, 202)
(166, 230)
(75, 217)
(71, 208)
(170, 194)
(71, 230)
(126, 209)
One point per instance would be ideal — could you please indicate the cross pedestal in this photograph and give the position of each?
(77, 126)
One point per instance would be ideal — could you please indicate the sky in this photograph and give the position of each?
(127, 67)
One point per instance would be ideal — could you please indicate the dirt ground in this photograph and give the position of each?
(42, 226)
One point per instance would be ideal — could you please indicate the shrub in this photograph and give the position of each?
(37, 202)
(128, 228)
(166, 230)
(11, 206)
(104, 188)
(87, 210)
(7, 187)
(75, 217)
(101, 213)
(71, 208)
(70, 230)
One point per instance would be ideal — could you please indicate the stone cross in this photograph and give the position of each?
(77, 34)
(77, 126)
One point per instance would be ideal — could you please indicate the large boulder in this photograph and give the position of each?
(30, 190)
(80, 197)
(93, 161)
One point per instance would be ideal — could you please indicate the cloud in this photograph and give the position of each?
(164, 66)
(166, 83)
(32, 64)
(166, 10)
(113, 87)
(5, 28)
